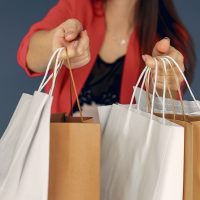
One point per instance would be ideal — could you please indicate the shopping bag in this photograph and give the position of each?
(74, 156)
(24, 147)
(191, 155)
(187, 114)
(191, 123)
(171, 105)
(74, 159)
(142, 155)
(104, 112)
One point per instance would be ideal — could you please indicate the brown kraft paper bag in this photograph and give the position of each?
(191, 125)
(74, 172)
(74, 159)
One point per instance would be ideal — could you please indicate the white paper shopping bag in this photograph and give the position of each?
(142, 156)
(104, 112)
(24, 147)
(185, 113)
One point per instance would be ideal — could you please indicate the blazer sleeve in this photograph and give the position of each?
(62, 11)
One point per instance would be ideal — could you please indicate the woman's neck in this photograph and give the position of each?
(120, 14)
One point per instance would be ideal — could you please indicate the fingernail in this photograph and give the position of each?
(75, 44)
(85, 31)
(144, 58)
(68, 35)
(167, 38)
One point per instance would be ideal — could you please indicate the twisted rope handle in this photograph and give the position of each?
(58, 64)
(73, 85)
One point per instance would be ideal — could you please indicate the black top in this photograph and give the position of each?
(103, 84)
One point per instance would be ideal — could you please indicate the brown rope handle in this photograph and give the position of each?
(72, 82)
(179, 93)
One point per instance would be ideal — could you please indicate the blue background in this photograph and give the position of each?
(15, 19)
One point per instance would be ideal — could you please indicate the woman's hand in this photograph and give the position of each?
(163, 48)
(71, 35)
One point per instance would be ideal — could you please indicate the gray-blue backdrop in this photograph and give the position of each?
(17, 16)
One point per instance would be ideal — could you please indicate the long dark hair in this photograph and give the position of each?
(156, 19)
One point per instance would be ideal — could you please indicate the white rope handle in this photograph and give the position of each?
(177, 83)
(154, 87)
(51, 76)
(140, 95)
(164, 87)
(136, 86)
(188, 86)
(138, 82)
(58, 65)
(157, 95)
(56, 69)
(146, 77)
(48, 68)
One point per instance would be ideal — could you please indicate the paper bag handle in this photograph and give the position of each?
(72, 82)
(178, 86)
(54, 74)
(144, 73)
(166, 86)
(58, 64)
(185, 79)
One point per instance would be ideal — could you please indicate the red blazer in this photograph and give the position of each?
(94, 23)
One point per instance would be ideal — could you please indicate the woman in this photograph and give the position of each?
(107, 37)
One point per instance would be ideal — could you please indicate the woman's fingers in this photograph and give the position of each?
(66, 32)
(178, 57)
(70, 35)
(77, 59)
(162, 47)
(171, 72)
(172, 75)
(72, 48)
(83, 43)
(151, 63)
(81, 60)
(173, 81)
(168, 79)
(173, 87)
(72, 28)
(78, 47)
(170, 69)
